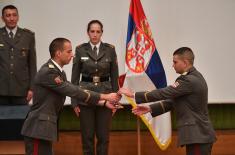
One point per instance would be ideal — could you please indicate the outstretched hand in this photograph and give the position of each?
(112, 97)
(141, 109)
(77, 110)
(126, 91)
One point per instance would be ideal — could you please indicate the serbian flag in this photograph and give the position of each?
(144, 70)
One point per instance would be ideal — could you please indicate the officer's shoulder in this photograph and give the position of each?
(45, 69)
(50, 65)
(82, 45)
(109, 45)
(186, 78)
(28, 31)
(2, 28)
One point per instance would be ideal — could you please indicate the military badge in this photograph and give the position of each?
(51, 66)
(175, 85)
(23, 52)
(84, 58)
(58, 80)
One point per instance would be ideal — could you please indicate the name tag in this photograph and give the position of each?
(84, 58)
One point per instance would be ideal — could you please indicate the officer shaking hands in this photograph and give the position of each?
(188, 96)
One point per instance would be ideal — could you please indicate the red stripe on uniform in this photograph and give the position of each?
(197, 149)
(35, 146)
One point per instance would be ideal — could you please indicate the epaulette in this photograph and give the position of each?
(27, 30)
(109, 45)
(81, 45)
(51, 65)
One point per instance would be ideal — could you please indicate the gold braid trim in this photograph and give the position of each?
(145, 96)
(88, 95)
(163, 108)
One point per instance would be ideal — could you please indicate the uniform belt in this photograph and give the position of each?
(95, 79)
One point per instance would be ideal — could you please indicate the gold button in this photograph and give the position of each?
(96, 62)
(11, 72)
(12, 49)
(96, 70)
(12, 57)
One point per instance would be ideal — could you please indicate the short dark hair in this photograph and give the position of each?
(94, 22)
(57, 44)
(186, 53)
(8, 7)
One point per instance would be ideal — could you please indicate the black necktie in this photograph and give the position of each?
(11, 35)
(95, 50)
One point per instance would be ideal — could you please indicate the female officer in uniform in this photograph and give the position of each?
(95, 68)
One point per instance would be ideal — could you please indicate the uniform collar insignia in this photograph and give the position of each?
(51, 66)
(185, 73)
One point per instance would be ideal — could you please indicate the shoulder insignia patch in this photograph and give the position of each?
(58, 80)
(175, 85)
(51, 66)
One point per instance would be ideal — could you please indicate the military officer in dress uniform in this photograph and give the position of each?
(50, 89)
(189, 97)
(95, 68)
(17, 60)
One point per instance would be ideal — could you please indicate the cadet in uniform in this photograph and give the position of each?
(189, 97)
(50, 89)
(95, 68)
(17, 60)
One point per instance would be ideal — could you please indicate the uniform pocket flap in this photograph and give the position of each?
(46, 117)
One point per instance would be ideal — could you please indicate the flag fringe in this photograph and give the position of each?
(161, 146)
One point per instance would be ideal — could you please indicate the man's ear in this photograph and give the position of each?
(186, 61)
(57, 53)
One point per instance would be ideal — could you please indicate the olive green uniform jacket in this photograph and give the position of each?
(50, 89)
(188, 96)
(17, 62)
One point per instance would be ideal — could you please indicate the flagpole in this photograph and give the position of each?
(138, 137)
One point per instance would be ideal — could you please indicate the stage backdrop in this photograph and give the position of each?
(208, 27)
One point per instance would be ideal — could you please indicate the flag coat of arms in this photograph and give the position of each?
(144, 70)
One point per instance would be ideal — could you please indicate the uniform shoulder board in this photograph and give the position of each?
(51, 65)
(27, 30)
(109, 45)
(81, 45)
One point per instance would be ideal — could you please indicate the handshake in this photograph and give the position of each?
(111, 100)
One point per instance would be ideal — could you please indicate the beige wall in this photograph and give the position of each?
(208, 27)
